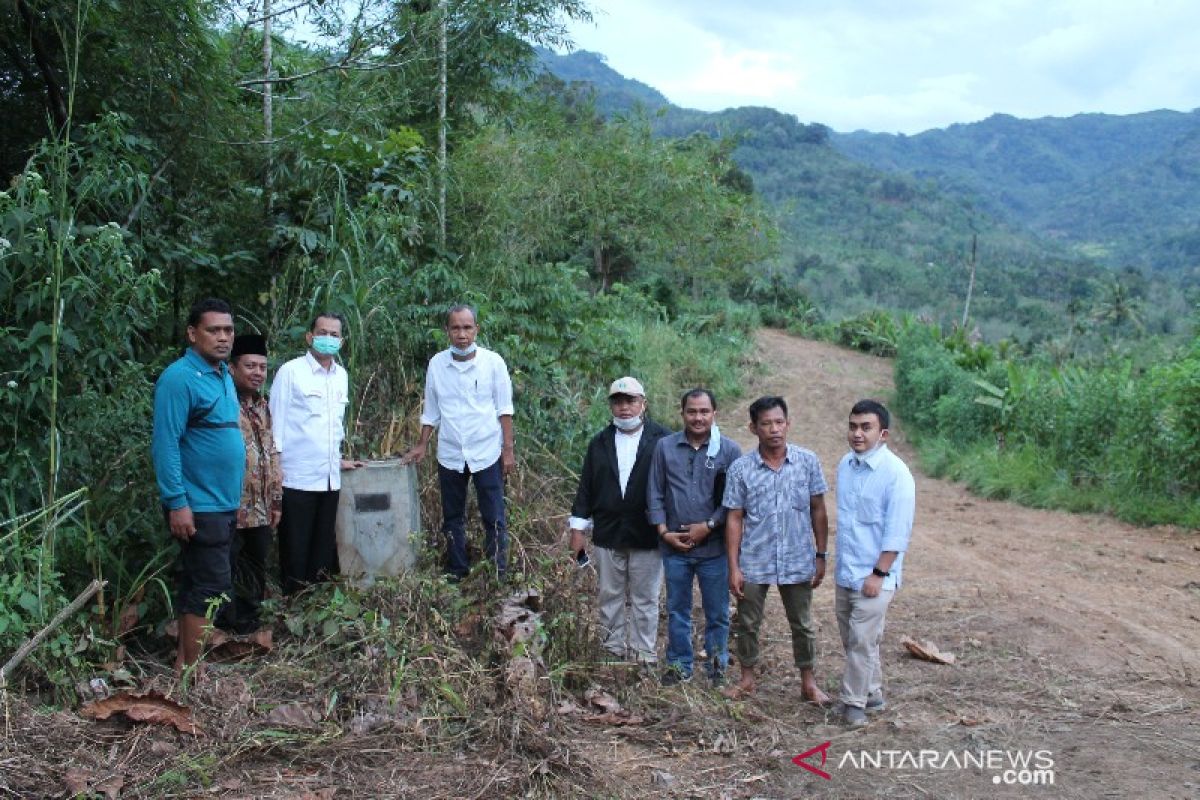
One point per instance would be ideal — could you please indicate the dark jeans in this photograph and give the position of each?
(203, 577)
(682, 570)
(489, 491)
(307, 540)
(248, 560)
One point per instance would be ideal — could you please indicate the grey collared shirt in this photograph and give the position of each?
(683, 484)
(777, 532)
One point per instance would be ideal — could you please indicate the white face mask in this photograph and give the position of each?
(463, 351)
(866, 455)
(627, 425)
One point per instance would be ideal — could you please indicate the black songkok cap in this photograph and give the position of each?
(248, 344)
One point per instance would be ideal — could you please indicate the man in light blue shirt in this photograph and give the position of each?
(876, 500)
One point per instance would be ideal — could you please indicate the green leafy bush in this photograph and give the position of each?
(1114, 436)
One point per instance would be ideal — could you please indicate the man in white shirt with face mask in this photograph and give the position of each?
(308, 405)
(611, 504)
(468, 398)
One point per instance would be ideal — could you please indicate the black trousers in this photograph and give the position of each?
(248, 560)
(307, 540)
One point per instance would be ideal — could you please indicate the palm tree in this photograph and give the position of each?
(1119, 308)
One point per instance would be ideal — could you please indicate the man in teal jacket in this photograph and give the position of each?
(199, 458)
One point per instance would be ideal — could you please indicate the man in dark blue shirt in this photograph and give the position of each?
(199, 458)
(683, 501)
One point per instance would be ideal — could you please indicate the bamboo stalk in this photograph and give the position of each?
(24, 650)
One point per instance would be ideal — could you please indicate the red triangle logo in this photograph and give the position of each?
(800, 760)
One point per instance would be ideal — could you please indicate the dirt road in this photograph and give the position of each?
(1077, 636)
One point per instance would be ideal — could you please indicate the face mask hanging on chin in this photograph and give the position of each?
(627, 425)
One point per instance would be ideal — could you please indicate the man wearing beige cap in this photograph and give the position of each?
(610, 504)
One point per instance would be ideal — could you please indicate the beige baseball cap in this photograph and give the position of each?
(627, 385)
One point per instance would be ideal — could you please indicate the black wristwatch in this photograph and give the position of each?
(821, 554)
(879, 572)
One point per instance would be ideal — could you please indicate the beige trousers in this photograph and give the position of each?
(860, 622)
(629, 582)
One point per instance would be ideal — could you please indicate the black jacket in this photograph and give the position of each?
(618, 522)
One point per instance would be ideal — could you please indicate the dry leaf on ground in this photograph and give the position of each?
(602, 700)
(147, 707)
(223, 647)
(611, 711)
(294, 715)
(927, 651)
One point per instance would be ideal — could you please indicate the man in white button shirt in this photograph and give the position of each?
(308, 405)
(468, 398)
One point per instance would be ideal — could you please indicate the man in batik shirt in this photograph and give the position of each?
(262, 489)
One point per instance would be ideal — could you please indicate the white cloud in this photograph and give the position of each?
(744, 76)
(909, 66)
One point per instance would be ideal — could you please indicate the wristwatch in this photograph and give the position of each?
(879, 572)
(821, 554)
(711, 525)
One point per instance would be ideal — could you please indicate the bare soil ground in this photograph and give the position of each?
(1074, 635)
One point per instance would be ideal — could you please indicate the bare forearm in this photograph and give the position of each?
(733, 536)
(426, 435)
(820, 522)
(506, 429)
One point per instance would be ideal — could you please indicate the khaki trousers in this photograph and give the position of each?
(629, 582)
(860, 622)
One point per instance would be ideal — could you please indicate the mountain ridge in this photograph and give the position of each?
(1043, 203)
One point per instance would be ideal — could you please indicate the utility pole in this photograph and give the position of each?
(971, 282)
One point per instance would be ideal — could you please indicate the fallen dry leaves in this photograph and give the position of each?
(225, 648)
(606, 710)
(151, 707)
(82, 782)
(927, 651)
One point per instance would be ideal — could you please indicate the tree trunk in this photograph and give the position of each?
(268, 113)
(441, 208)
(56, 101)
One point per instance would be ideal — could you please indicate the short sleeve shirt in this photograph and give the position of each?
(777, 533)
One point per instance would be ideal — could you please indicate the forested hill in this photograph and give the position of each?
(1121, 190)
(1124, 189)
(859, 237)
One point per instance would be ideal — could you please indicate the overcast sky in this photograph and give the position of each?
(906, 65)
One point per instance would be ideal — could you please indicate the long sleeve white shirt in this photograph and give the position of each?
(626, 445)
(308, 406)
(464, 400)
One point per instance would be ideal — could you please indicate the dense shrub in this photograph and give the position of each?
(1113, 436)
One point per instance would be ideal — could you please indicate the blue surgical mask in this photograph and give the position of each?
(627, 425)
(463, 351)
(327, 345)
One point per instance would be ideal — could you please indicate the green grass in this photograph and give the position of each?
(1027, 476)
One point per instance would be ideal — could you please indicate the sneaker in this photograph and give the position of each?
(875, 703)
(673, 676)
(854, 717)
